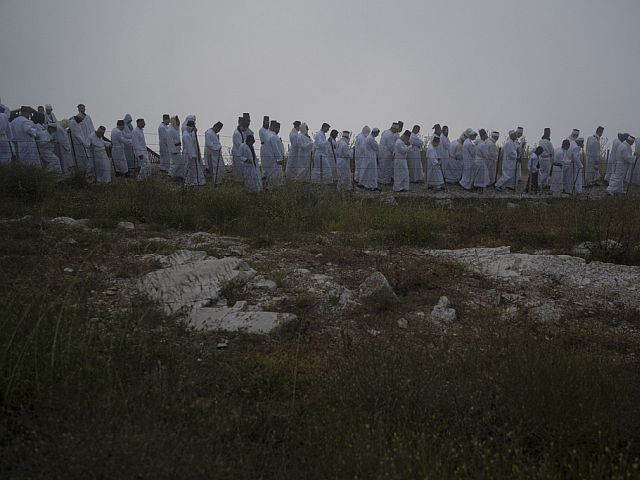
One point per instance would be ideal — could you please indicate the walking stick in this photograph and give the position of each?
(195, 134)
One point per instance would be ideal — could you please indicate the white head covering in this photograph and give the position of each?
(346, 134)
(495, 134)
(47, 106)
(468, 132)
(575, 133)
(304, 128)
(366, 130)
(189, 118)
(511, 132)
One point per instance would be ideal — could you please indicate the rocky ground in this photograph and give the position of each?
(231, 284)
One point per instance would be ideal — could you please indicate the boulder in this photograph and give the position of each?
(442, 314)
(126, 226)
(375, 284)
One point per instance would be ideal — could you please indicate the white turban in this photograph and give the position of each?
(366, 130)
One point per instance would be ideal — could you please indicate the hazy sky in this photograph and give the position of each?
(493, 64)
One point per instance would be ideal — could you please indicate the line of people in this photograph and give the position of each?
(373, 159)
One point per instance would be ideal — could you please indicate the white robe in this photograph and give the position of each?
(177, 166)
(385, 157)
(572, 171)
(128, 145)
(624, 162)
(213, 156)
(163, 146)
(46, 147)
(321, 171)
(238, 138)
(546, 159)
(98, 152)
(333, 159)
(195, 170)
(139, 146)
(81, 145)
(63, 150)
(293, 166)
(271, 160)
(24, 134)
(360, 154)
(305, 154)
(480, 170)
(492, 160)
(5, 139)
(434, 178)
(400, 167)
(452, 166)
(468, 156)
(592, 160)
(251, 175)
(556, 174)
(414, 161)
(611, 161)
(369, 165)
(118, 141)
(343, 165)
(509, 166)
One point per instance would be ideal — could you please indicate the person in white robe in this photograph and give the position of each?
(163, 147)
(271, 157)
(414, 159)
(369, 165)
(468, 155)
(624, 162)
(546, 158)
(295, 169)
(343, 163)
(573, 172)
(87, 129)
(509, 178)
(560, 159)
(611, 160)
(6, 137)
(492, 156)
(454, 166)
(480, 171)
(63, 147)
(97, 149)
(444, 146)
(385, 154)
(434, 177)
(305, 154)
(332, 142)
(139, 145)
(213, 153)
(592, 158)
(80, 145)
(263, 132)
(533, 165)
(252, 178)
(177, 166)
(118, 142)
(401, 149)
(24, 135)
(321, 171)
(360, 151)
(47, 147)
(238, 138)
(195, 170)
(127, 133)
(49, 116)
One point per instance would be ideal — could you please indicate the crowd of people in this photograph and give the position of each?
(395, 157)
